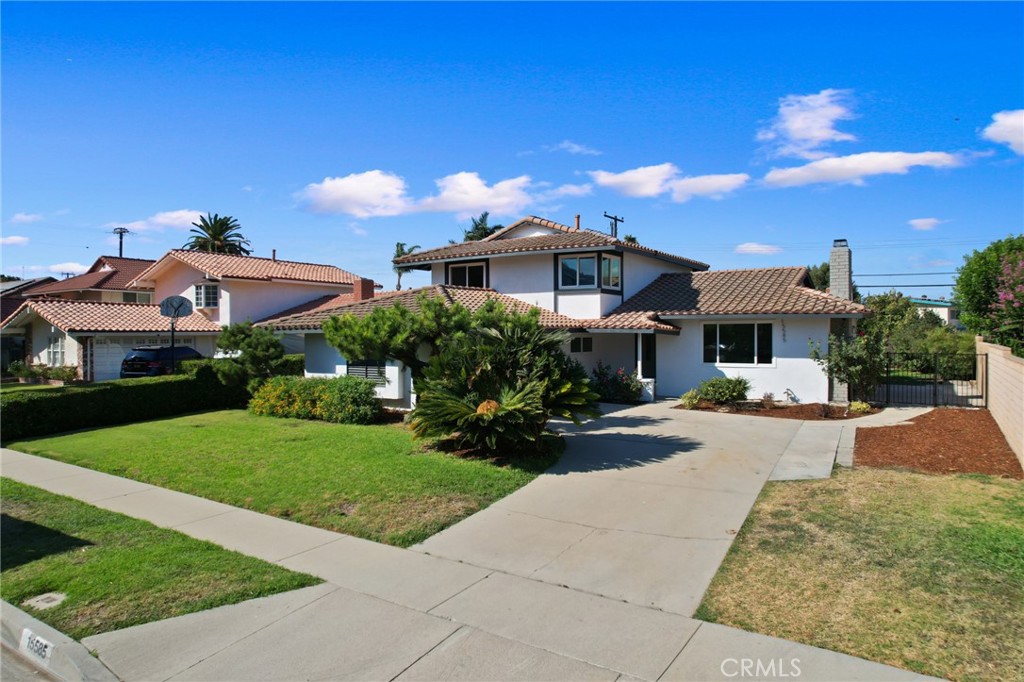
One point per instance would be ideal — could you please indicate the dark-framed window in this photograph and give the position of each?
(467, 274)
(611, 272)
(207, 295)
(136, 297)
(738, 344)
(582, 344)
(577, 272)
(374, 370)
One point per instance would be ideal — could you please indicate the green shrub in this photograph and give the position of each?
(68, 408)
(62, 373)
(690, 399)
(20, 369)
(291, 365)
(617, 386)
(859, 407)
(344, 399)
(721, 390)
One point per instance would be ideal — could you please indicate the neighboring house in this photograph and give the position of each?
(664, 316)
(946, 311)
(12, 295)
(107, 281)
(95, 335)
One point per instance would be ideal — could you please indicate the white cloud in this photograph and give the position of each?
(925, 224)
(72, 267)
(805, 123)
(26, 218)
(247, 188)
(714, 186)
(570, 191)
(650, 181)
(13, 240)
(1007, 128)
(574, 148)
(854, 168)
(645, 181)
(357, 229)
(364, 195)
(467, 193)
(756, 249)
(180, 219)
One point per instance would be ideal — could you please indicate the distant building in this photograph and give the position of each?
(944, 309)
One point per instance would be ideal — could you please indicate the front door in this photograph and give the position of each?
(648, 356)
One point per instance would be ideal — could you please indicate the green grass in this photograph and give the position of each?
(117, 571)
(921, 572)
(370, 481)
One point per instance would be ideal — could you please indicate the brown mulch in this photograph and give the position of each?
(802, 411)
(943, 441)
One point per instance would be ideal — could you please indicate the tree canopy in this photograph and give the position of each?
(820, 279)
(218, 234)
(976, 291)
(480, 228)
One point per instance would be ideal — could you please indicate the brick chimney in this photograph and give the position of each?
(840, 270)
(362, 289)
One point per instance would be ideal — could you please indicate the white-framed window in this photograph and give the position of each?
(577, 272)
(611, 272)
(207, 295)
(467, 275)
(374, 370)
(136, 297)
(55, 351)
(738, 344)
(582, 344)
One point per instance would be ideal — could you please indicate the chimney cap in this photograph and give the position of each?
(840, 243)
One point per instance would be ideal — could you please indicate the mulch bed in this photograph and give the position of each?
(802, 411)
(943, 441)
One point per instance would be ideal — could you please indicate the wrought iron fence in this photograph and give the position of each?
(955, 379)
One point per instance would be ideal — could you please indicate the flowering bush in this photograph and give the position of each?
(689, 399)
(1008, 310)
(616, 386)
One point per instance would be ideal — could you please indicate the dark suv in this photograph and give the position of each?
(151, 361)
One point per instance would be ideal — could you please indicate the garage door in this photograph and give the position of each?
(107, 356)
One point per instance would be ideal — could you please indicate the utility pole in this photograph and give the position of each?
(121, 232)
(615, 223)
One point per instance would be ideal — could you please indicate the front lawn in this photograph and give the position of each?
(117, 571)
(374, 482)
(13, 388)
(918, 571)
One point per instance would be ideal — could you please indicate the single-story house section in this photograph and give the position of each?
(946, 311)
(95, 336)
(394, 380)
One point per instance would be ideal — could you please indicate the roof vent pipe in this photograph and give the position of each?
(273, 255)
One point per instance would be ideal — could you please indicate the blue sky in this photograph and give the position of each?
(739, 134)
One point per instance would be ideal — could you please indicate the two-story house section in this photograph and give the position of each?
(107, 280)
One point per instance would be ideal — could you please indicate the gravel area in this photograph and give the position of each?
(944, 441)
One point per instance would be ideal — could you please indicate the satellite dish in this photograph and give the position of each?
(175, 307)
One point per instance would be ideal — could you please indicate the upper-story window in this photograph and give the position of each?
(611, 272)
(207, 295)
(467, 275)
(136, 297)
(577, 272)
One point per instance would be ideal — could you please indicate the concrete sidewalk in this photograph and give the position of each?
(589, 572)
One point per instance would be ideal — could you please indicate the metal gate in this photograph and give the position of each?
(955, 379)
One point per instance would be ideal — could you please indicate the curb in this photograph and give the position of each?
(49, 649)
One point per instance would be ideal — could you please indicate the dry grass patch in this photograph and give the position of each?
(921, 572)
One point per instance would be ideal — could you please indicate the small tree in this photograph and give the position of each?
(856, 362)
(253, 351)
(977, 281)
(401, 250)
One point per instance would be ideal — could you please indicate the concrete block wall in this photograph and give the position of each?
(1005, 382)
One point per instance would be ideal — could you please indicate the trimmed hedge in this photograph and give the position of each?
(69, 408)
(721, 390)
(343, 400)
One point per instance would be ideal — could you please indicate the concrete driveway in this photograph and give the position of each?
(642, 507)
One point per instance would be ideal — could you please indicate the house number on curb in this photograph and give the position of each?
(35, 646)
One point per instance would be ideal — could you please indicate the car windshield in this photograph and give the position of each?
(142, 355)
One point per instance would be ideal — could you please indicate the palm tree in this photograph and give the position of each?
(218, 234)
(480, 229)
(402, 250)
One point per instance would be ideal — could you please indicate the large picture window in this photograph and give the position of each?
(467, 275)
(740, 344)
(577, 272)
(207, 295)
(611, 272)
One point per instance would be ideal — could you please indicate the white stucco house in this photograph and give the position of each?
(93, 320)
(669, 318)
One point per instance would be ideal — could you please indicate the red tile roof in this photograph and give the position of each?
(470, 297)
(317, 304)
(108, 273)
(566, 239)
(97, 316)
(222, 266)
(764, 291)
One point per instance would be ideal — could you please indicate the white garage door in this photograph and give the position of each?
(107, 356)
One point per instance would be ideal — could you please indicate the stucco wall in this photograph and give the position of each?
(258, 300)
(614, 350)
(41, 333)
(528, 278)
(1005, 385)
(324, 360)
(681, 366)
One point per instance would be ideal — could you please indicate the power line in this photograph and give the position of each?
(896, 286)
(904, 274)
